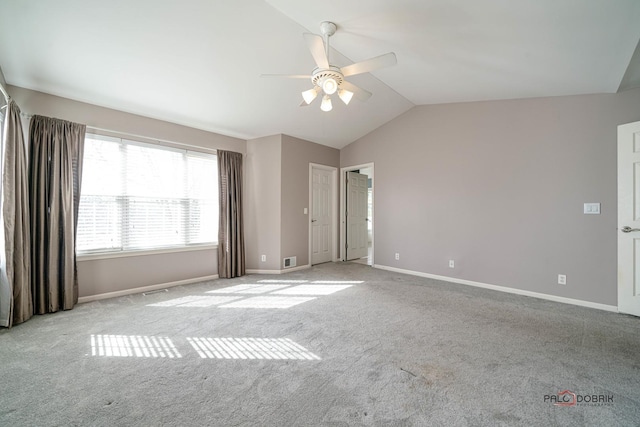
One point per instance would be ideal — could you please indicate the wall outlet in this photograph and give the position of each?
(263, 258)
(562, 279)
(592, 208)
(452, 263)
(397, 256)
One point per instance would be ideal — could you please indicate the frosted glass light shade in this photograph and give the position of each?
(326, 103)
(345, 96)
(310, 95)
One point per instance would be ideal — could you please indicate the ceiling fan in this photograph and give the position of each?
(329, 79)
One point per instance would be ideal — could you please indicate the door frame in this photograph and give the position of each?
(343, 208)
(332, 198)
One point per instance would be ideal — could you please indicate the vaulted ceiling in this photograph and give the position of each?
(198, 62)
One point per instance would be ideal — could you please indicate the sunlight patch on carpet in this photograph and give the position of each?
(312, 290)
(268, 302)
(247, 289)
(194, 301)
(133, 346)
(353, 282)
(250, 348)
(282, 281)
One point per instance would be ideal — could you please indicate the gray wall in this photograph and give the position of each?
(32, 102)
(117, 274)
(499, 187)
(277, 191)
(263, 202)
(296, 156)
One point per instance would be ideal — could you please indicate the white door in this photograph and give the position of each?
(629, 218)
(357, 209)
(321, 214)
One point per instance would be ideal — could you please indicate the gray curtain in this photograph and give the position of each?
(15, 215)
(55, 171)
(231, 229)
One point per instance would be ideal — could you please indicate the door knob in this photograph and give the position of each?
(627, 229)
(313, 220)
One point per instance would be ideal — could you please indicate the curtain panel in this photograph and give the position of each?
(231, 261)
(55, 172)
(17, 304)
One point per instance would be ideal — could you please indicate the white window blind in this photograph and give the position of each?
(138, 196)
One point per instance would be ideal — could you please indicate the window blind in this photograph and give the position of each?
(139, 196)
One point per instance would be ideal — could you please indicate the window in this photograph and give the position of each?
(3, 108)
(138, 196)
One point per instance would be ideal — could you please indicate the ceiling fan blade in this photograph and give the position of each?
(316, 46)
(288, 76)
(304, 104)
(358, 92)
(372, 64)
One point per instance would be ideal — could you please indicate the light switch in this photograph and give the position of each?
(592, 208)
(306, 211)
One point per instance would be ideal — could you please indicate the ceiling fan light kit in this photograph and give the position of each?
(330, 79)
(345, 96)
(329, 86)
(326, 104)
(310, 95)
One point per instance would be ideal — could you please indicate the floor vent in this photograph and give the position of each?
(289, 262)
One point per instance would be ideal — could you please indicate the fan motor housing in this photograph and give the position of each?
(321, 74)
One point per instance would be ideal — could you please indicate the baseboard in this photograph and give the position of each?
(554, 298)
(286, 270)
(251, 271)
(145, 289)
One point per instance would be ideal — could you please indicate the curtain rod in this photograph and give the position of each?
(141, 137)
(148, 139)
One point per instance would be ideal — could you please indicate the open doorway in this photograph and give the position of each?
(356, 212)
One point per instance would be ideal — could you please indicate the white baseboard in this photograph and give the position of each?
(251, 271)
(554, 298)
(286, 270)
(145, 289)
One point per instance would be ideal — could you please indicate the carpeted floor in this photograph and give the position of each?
(356, 346)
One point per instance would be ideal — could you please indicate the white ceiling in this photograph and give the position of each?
(198, 62)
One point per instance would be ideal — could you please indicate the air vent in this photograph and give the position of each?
(289, 262)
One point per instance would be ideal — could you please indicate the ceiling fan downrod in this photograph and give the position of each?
(327, 29)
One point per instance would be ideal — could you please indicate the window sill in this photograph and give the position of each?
(127, 254)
